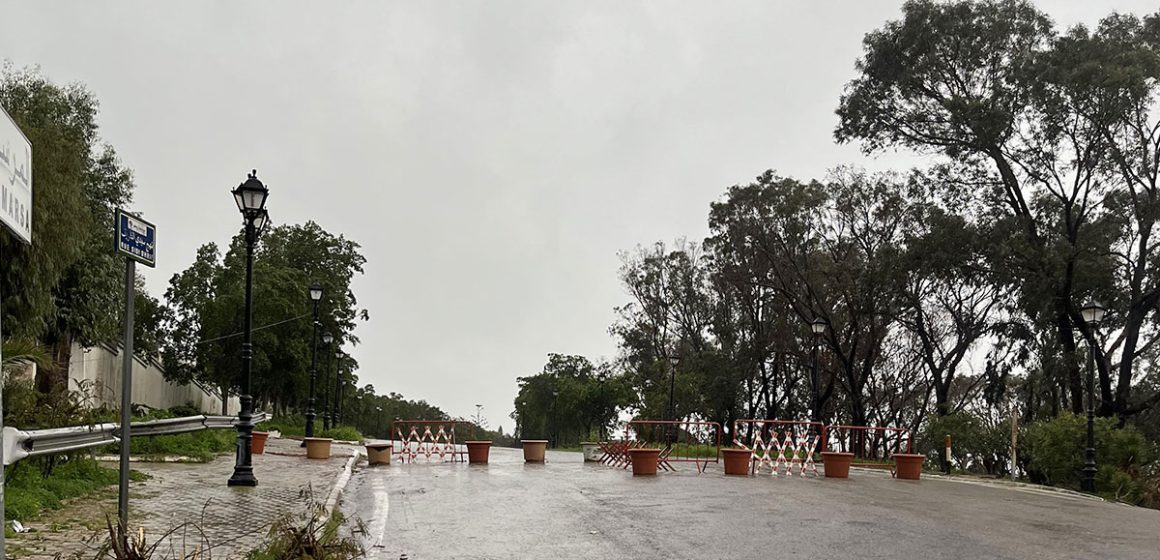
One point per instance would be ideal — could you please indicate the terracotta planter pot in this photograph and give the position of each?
(591, 451)
(644, 461)
(908, 466)
(477, 452)
(837, 465)
(379, 453)
(318, 448)
(737, 461)
(534, 450)
(258, 442)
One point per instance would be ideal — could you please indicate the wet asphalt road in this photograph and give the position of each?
(567, 509)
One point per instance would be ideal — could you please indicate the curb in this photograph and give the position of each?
(151, 459)
(340, 485)
(1025, 486)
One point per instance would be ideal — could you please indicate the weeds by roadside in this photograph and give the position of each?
(311, 534)
(30, 492)
(124, 544)
(307, 534)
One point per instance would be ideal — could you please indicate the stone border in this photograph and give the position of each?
(340, 484)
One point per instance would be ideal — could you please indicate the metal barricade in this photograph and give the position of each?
(872, 446)
(680, 441)
(431, 440)
(785, 446)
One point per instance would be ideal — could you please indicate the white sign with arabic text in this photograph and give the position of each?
(15, 178)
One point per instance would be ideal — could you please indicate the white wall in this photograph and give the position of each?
(96, 372)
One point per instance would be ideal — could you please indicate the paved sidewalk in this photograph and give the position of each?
(233, 520)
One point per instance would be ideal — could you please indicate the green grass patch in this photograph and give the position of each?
(201, 446)
(873, 461)
(288, 426)
(296, 427)
(28, 494)
(692, 450)
(343, 433)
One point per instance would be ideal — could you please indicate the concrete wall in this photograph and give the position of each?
(96, 372)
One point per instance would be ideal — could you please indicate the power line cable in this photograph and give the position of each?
(252, 330)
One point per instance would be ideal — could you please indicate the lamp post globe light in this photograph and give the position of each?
(326, 340)
(1093, 315)
(251, 199)
(315, 292)
(818, 328)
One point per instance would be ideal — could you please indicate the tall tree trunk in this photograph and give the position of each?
(48, 379)
(1073, 378)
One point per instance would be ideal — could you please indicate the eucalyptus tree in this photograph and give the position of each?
(953, 300)
(1058, 133)
(665, 333)
(831, 251)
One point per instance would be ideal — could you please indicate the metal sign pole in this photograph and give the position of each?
(126, 393)
(136, 240)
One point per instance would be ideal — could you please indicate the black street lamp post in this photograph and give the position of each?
(818, 327)
(555, 434)
(602, 377)
(326, 340)
(337, 412)
(379, 421)
(251, 198)
(315, 297)
(1093, 314)
(670, 435)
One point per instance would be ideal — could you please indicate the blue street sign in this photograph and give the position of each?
(136, 238)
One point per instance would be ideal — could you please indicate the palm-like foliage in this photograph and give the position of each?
(18, 354)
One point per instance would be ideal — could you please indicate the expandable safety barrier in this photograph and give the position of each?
(616, 452)
(431, 440)
(680, 441)
(785, 446)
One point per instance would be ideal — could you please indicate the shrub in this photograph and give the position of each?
(184, 411)
(977, 445)
(311, 534)
(1150, 485)
(1055, 455)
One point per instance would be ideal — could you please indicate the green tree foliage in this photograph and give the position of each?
(61, 287)
(204, 315)
(950, 295)
(569, 401)
(372, 413)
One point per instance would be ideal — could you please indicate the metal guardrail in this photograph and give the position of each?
(22, 444)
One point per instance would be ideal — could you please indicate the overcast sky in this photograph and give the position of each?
(491, 158)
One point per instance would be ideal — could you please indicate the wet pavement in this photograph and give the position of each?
(568, 509)
(229, 522)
